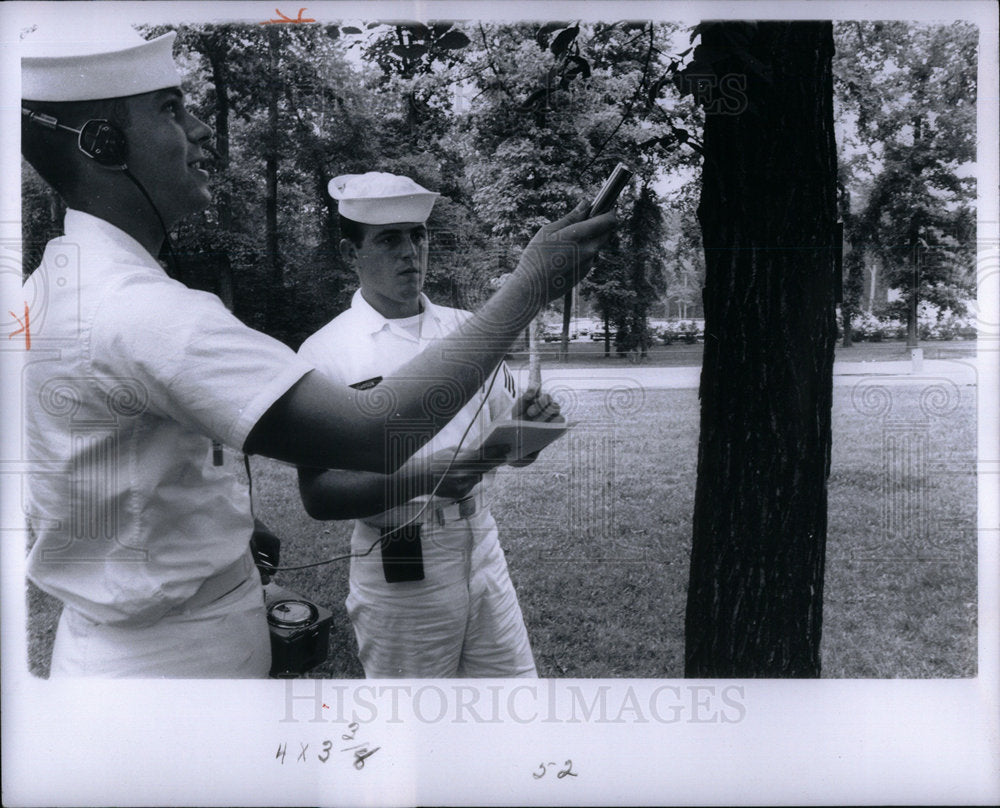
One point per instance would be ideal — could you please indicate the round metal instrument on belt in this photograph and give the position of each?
(291, 613)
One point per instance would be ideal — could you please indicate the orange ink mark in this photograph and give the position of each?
(25, 327)
(285, 19)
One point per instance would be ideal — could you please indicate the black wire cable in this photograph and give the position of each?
(381, 539)
(168, 247)
(169, 257)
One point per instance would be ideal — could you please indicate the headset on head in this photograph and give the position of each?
(99, 139)
(105, 144)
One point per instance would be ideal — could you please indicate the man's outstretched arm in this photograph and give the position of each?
(320, 424)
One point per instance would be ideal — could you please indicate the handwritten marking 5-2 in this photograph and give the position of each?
(566, 772)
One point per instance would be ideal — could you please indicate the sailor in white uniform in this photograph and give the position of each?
(434, 599)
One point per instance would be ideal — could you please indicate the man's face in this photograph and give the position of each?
(165, 154)
(391, 264)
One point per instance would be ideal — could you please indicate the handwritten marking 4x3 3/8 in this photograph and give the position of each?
(362, 751)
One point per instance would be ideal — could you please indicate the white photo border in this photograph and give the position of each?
(168, 742)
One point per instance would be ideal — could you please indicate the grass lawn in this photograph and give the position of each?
(597, 535)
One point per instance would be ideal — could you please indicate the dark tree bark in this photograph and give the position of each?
(913, 250)
(271, 176)
(768, 216)
(854, 275)
(913, 299)
(567, 315)
(852, 265)
(215, 46)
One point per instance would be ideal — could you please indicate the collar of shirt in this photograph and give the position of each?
(372, 322)
(80, 226)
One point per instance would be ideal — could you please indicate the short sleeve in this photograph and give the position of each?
(320, 352)
(193, 360)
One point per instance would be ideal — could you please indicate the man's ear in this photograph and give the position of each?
(348, 251)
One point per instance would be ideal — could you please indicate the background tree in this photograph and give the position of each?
(298, 118)
(684, 256)
(509, 123)
(555, 109)
(644, 258)
(852, 279)
(907, 105)
(607, 286)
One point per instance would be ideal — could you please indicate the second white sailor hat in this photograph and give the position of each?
(380, 198)
(90, 61)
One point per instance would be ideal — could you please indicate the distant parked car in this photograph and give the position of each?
(600, 335)
(553, 333)
(688, 331)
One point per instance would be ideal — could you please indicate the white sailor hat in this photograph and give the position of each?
(90, 61)
(379, 198)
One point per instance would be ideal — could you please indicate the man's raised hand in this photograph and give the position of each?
(534, 405)
(562, 252)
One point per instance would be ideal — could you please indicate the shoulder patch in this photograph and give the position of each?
(367, 384)
(508, 381)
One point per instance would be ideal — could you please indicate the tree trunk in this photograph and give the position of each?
(914, 296)
(216, 49)
(534, 357)
(768, 216)
(854, 271)
(271, 178)
(567, 316)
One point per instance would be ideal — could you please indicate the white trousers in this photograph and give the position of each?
(462, 620)
(227, 639)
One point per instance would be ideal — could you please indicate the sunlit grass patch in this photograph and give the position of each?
(597, 536)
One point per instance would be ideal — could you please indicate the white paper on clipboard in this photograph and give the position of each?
(520, 437)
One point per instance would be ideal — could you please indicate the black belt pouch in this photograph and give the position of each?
(402, 556)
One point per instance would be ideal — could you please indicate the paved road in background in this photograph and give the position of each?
(962, 372)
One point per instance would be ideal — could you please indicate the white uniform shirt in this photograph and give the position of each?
(361, 346)
(129, 378)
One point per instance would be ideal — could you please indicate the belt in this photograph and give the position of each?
(442, 514)
(459, 509)
(221, 584)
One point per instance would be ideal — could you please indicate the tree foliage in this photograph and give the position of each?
(515, 123)
(907, 104)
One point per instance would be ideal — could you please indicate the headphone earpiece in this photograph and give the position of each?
(104, 142)
(100, 140)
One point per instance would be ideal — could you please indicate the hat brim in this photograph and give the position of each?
(143, 68)
(389, 209)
